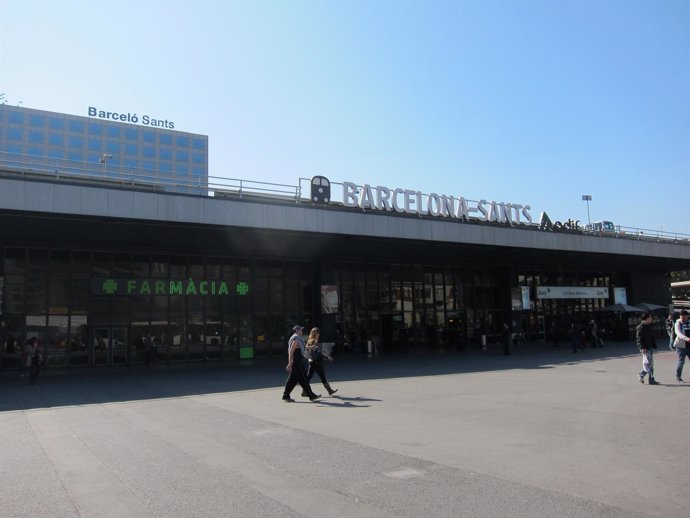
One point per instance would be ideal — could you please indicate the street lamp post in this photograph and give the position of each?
(587, 198)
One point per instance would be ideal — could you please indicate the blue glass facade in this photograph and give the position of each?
(47, 141)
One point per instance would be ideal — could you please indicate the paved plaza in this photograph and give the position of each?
(542, 432)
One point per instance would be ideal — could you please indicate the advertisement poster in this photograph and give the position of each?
(329, 299)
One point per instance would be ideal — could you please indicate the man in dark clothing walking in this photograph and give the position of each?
(646, 344)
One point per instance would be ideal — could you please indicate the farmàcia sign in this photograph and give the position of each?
(184, 288)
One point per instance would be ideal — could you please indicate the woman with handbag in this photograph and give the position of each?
(315, 355)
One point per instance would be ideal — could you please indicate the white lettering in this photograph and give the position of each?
(482, 210)
(366, 198)
(396, 197)
(349, 194)
(383, 195)
(434, 204)
(408, 200)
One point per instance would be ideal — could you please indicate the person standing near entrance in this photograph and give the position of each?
(681, 344)
(670, 331)
(295, 367)
(33, 359)
(646, 344)
(316, 357)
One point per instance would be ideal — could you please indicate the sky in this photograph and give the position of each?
(530, 102)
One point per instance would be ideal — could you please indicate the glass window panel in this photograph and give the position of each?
(56, 153)
(36, 137)
(15, 260)
(140, 266)
(81, 262)
(37, 120)
(112, 147)
(11, 341)
(182, 141)
(131, 149)
(121, 265)
(15, 134)
(76, 157)
(165, 154)
(76, 142)
(57, 340)
(37, 261)
(102, 264)
(148, 152)
(182, 156)
(113, 132)
(76, 126)
(14, 294)
(198, 143)
(197, 158)
(16, 118)
(149, 137)
(59, 261)
(213, 267)
(94, 144)
(59, 295)
(80, 295)
(166, 139)
(131, 134)
(178, 267)
(56, 124)
(159, 266)
(35, 151)
(95, 128)
(36, 294)
(196, 268)
(56, 140)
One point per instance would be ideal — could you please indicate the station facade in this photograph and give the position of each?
(96, 270)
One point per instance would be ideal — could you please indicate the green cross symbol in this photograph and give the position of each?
(109, 286)
(242, 288)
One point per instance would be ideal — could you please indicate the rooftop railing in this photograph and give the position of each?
(111, 175)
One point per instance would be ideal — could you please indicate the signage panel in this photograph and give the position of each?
(572, 292)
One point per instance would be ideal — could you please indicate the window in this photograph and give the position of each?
(182, 156)
(16, 118)
(166, 154)
(197, 158)
(182, 141)
(113, 131)
(76, 142)
(56, 140)
(34, 151)
(95, 128)
(56, 124)
(76, 126)
(76, 157)
(94, 144)
(198, 143)
(112, 147)
(37, 121)
(36, 137)
(15, 134)
(56, 153)
(131, 134)
(148, 152)
(166, 139)
(131, 149)
(149, 137)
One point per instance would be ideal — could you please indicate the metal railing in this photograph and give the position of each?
(221, 187)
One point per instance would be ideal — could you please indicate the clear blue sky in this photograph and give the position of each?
(516, 101)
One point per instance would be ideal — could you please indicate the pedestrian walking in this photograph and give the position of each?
(296, 368)
(670, 331)
(316, 357)
(507, 338)
(681, 343)
(646, 344)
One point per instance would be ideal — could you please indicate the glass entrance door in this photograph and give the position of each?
(109, 345)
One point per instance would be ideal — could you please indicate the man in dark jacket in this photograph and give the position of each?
(646, 344)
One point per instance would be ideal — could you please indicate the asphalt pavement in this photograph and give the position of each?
(543, 432)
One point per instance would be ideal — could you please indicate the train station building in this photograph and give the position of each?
(95, 267)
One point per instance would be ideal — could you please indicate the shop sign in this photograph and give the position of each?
(620, 296)
(570, 225)
(572, 292)
(188, 287)
(329, 299)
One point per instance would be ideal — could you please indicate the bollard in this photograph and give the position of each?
(370, 348)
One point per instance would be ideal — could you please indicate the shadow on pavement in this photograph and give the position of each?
(93, 386)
